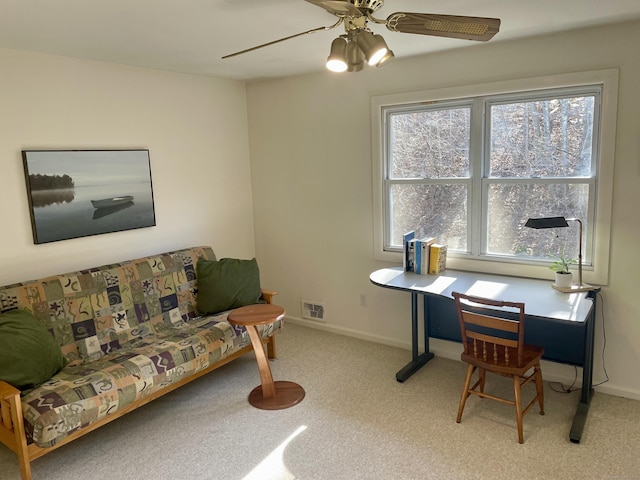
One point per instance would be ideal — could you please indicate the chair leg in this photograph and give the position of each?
(465, 391)
(539, 388)
(483, 377)
(518, 402)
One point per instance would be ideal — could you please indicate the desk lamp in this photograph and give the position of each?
(555, 222)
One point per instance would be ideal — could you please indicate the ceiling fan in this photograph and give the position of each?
(350, 50)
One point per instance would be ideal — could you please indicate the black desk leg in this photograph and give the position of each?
(580, 417)
(417, 360)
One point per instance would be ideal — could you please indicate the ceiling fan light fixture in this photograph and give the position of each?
(337, 60)
(388, 56)
(373, 46)
(355, 58)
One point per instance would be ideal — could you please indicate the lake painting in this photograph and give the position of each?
(77, 193)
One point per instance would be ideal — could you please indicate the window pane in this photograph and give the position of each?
(430, 143)
(432, 211)
(545, 138)
(511, 205)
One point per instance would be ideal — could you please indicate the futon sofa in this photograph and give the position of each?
(116, 337)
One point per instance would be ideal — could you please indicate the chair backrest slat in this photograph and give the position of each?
(491, 322)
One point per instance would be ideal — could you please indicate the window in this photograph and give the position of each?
(470, 165)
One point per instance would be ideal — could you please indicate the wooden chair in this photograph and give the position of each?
(494, 344)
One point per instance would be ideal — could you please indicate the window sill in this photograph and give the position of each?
(456, 262)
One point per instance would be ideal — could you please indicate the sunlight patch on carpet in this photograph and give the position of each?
(272, 467)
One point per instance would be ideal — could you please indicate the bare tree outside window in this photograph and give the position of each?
(533, 157)
(549, 139)
(429, 152)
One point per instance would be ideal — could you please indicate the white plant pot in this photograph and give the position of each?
(564, 280)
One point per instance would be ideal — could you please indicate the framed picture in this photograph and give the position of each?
(77, 193)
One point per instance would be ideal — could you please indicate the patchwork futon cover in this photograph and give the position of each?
(127, 330)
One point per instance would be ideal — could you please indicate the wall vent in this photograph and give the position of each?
(313, 310)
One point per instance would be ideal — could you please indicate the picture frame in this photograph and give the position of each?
(79, 193)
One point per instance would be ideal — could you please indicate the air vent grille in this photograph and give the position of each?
(313, 310)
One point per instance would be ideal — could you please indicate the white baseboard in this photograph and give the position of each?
(552, 372)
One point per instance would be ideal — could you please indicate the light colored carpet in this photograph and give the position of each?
(356, 422)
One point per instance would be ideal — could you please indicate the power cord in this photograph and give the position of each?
(604, 342)
(559, 387)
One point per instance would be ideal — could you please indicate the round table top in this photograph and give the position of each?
(257, 314)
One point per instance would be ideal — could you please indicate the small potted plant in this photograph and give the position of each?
(564, 277)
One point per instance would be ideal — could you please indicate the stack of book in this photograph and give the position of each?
(423, 256)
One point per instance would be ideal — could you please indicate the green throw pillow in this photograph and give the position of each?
(29, 355)
(226, 284)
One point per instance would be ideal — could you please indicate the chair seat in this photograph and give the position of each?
(532, 355)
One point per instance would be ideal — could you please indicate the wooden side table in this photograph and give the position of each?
(269, 395)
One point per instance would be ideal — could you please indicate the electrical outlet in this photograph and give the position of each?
(363, 300)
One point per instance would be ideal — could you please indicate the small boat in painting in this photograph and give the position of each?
(104, 211)
(111, 202)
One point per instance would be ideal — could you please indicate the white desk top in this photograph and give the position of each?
(540, 299)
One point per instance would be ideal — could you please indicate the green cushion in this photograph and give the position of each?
(226, 284)
(29, 355)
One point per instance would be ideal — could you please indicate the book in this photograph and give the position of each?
(423, 248)
(411, 262)
(406, 263)
(437, 259)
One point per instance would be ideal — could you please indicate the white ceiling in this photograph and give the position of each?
(191, 36)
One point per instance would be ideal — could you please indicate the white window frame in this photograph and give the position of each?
(604, 136)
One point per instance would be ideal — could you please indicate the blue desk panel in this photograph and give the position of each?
(552, 335)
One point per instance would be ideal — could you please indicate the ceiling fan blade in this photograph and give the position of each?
(467, 28)
(338, 7)
(313, 30)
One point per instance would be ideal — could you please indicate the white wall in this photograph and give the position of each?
(194, 127)
(311, 166)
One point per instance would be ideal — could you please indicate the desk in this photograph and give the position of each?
(562, 323)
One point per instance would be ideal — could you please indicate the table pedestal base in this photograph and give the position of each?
(287, 394)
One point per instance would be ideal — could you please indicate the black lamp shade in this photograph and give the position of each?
(547, 222)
